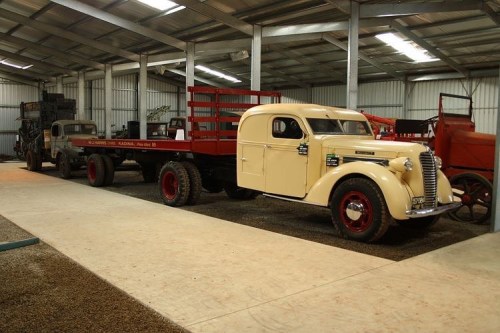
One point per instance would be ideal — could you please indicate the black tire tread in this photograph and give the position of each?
(183, 179)
(109, 167)
(33, 161)
(100, 170)
(64, 166)
(194, 182)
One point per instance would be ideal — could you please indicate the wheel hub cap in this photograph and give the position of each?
(355, 210)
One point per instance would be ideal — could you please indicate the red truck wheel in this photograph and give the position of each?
(476, 194)
(359, 211)
(96, 170)
(174, 184)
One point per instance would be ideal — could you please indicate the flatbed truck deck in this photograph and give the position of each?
(206, 158)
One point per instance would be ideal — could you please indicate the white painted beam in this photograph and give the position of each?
(214, 13)
(122, 23)
(352, 58)
(62, 33)
(108, 101)
(143, 97)
(495, 216)
(50, 51)
(81, 96)
(256, 60)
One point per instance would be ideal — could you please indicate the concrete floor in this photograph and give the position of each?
(209, 275)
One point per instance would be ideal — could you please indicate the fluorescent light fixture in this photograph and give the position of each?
(163, 5)
(217, 73)
(5, 62)
(405, 47)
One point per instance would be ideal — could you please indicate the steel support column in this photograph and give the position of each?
(190, 50)
(108, 100)
(352, 58)
(143, 96)
(256, 60)
(59, 85)
(495, 216)
(81, 96)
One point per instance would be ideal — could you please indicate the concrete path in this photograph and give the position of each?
(210, 275)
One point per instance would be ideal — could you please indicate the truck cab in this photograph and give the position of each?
(328, 156)
(59, 142)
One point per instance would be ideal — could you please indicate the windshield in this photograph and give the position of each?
(322, 126)
(80, 129)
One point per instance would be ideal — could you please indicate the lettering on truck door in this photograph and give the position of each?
(285, 167)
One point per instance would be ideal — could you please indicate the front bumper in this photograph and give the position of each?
(432, 211)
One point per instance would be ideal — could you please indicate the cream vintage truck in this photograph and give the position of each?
(328, 157)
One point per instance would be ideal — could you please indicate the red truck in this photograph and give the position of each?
(205, 159)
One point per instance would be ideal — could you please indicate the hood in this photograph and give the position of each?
(82, 136)
(369, 148)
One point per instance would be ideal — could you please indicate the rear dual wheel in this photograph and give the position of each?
(33, 161)
(179, 183)
(100, 170)
(64, 165)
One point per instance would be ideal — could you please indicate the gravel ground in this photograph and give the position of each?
(42, 290)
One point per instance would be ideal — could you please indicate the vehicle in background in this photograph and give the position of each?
(467, 156)
(47, 130)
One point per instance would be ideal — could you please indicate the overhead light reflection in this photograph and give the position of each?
(406, 48)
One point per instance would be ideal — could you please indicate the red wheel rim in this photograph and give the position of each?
(169, 185)
(91, 170)
(365, 219)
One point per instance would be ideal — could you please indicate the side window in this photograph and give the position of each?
(55, 130)
(286, 128)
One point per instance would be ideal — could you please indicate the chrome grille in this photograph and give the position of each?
(429, 173)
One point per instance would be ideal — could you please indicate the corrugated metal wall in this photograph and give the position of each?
(11, 96)
(384, 99)
(424, 99)
(296, 96)
(125, 101)
(330, 95)
(381, 98)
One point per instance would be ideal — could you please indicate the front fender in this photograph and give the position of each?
(72, 153)
(444, 191)
(393, 189)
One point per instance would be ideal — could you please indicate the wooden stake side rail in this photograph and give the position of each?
(201, 146)
(218, 138)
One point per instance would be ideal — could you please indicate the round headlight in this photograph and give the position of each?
(438, 161)
(401, 164)
(408, 164)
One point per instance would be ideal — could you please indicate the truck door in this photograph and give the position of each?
(56, 139)
(285, 169)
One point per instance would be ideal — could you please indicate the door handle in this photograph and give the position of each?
(268, 146)
(243, 159)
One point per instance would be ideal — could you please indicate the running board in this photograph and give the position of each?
(274, 196)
